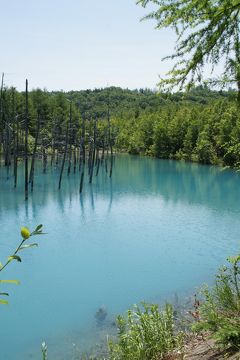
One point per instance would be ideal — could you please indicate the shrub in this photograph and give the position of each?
(220, 310)
(146, 334)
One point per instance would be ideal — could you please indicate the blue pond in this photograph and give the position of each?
(156, 228)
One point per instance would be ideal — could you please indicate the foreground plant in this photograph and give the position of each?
(25, 234)
(146, 334)
(220, 311)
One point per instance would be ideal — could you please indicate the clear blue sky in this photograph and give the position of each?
(79, 44)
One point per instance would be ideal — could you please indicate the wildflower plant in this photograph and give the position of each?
(26, 234)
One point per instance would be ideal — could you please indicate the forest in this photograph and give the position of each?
(200, 125)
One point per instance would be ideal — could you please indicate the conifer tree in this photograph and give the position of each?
(208, 31)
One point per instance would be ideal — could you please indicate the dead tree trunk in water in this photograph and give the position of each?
(44, 157)
(93, 153)
(111, 150)
(109, 140)
(107, 134)
(103, 148)
(64, 158)
(16, 153)
(8, 133)
(82, 157)
(97, 158)
(26, 142)
(90, 147)
(31, 177)
(74, 151)
(14, 133)
(70, 140)
(53, 144)
(106, 159)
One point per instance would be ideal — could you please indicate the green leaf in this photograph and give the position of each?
(4, 293)
(14, 257)
(3, 302)
(1, 265)
(17, 282)
(27, 246)
(38, 228)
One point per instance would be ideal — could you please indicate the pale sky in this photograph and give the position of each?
(80, 44)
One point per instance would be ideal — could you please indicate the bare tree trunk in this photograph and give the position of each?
(74, 159)
(70, 140)
(103, 148)
(74, 151)
(31, 177)
(44, 159)
(64, 158)
(97, 163)
(237, 62)
(108, 133)
(57, 158)
(111, 150)
(14, 132)
(8, 146)
(92, 162)
(53, 145)
(26, 142)
(16, 154)
(82, 158)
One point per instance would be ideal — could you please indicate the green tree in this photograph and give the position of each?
(204, 148)
(208, 30)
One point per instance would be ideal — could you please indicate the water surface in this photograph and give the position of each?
(156, 228)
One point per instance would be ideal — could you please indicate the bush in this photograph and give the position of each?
(220, 310)
(146, 334)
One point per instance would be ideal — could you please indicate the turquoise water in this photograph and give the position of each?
(156, 228)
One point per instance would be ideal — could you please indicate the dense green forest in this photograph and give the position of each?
(200, 125)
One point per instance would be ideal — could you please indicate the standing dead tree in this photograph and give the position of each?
(26, 141)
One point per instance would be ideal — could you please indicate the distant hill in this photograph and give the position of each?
(122, 101)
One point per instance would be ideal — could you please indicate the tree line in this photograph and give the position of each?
(207, 133)
(201, 125)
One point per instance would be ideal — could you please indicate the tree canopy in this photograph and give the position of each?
(207, 30)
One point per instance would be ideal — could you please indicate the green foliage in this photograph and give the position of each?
(207, 133)
(204, 149)
(199, 125)
(220, 310)
(207, 32)
(25, 234)
(146, 334)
